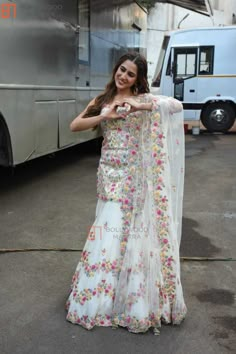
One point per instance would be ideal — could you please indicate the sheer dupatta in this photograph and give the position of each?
(149, 289)
(173, 128)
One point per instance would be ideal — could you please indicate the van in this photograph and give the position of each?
(198, 67)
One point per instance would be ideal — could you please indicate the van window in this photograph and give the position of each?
(206, 60)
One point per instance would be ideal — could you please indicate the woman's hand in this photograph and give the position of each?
(122, 108)
(135, 106)
(110, 111)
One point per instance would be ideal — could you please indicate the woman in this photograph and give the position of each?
(129, 272)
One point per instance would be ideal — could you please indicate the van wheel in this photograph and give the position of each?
(218, 117)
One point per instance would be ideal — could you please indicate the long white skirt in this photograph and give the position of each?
(130, 290)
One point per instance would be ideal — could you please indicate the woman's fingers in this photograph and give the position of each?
(116, 104)
(134, 105)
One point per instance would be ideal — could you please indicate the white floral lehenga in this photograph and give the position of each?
(129, 271)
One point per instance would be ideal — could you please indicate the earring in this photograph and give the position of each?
(135, 88)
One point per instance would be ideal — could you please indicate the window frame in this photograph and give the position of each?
(186, 51)
(211, 63)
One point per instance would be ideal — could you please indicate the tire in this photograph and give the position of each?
(218, 117)
(4, 147)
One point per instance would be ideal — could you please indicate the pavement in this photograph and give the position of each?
(50, 203)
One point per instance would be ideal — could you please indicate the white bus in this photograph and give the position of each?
(198, 67)
(55, 56)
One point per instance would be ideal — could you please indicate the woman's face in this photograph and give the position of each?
(126, 75)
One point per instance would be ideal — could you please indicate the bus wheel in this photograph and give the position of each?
(218, 117)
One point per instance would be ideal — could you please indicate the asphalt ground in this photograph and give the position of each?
(50, 203)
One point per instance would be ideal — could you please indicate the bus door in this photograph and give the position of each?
(184, 71)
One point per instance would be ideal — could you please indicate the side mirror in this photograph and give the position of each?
(156, 83)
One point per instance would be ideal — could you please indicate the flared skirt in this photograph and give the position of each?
(138, 289)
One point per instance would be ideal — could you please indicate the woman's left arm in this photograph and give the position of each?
(137, 106)
(152, 102)
(173, 105)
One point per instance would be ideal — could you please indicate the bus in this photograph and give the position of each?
(198, 67)
(55, 57)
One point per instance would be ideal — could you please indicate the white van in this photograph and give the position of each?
(198, 67)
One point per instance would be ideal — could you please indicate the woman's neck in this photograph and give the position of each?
(121, 94)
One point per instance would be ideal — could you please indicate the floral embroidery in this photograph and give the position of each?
(87, 322)
(131, 322)
(105, 265)
(87, 294)
(133, 297)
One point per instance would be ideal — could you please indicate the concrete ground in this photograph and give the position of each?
(50, 203)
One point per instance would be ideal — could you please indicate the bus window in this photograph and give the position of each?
(206, 60)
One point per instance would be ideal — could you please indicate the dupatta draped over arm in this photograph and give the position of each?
(151, 197)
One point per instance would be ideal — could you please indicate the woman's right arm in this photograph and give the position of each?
(80, 123)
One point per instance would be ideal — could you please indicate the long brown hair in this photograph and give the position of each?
(140, 86)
